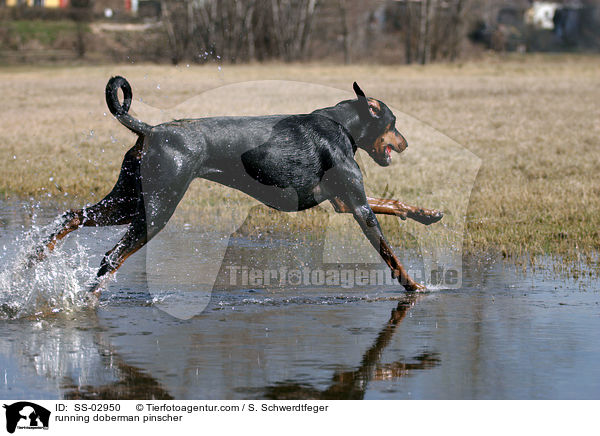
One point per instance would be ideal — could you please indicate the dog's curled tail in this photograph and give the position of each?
(121, 111)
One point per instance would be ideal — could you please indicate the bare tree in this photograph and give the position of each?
(81, 13)
(432, 29)
(179, 25)
(457, 24)
(292, 26)
(226, 29)
(426, 30)
(245, 30)
(345, 31)
(408, 33)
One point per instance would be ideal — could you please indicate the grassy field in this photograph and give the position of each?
(527, 127)
(45, 32)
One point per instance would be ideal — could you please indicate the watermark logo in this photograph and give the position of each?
(346, 278)
(25, 415)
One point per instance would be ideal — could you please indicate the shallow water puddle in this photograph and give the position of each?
(502, 335)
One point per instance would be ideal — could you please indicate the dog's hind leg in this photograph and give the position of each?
(163, 188)
(151, 219)
(135, 238)
(119, 207)
(396, 208)
(93, 216)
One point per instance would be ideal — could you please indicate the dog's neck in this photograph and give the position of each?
(346, 114)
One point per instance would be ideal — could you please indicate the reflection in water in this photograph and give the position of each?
(72, 356)
(76, 358)
(131, 383)
(351, 385)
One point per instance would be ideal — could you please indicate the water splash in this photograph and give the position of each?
(224, 300)
(56, 284)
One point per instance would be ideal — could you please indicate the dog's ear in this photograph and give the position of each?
(363, 104)
(367, 107)
(359, 92)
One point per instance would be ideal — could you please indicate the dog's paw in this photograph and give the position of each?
(35, 256)
(408, 283)
(415, 287)
(427, 217)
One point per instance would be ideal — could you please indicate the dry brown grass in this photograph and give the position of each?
(533, 122)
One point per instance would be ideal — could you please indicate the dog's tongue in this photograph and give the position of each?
(388, 151)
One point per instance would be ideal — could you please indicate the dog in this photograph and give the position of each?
(288, 162)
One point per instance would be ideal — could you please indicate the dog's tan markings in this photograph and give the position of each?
(384, 206)
(374, 106)
(396, 140)
(73, 224)
(392, 137)
(402, 210)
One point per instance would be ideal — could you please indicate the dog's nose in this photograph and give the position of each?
(401, 143)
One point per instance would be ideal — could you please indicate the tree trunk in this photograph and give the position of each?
(172, 37)
(408, 37)
(422, 31)
(305, 29)
(345, 36)
(429, 30)
(457, 29)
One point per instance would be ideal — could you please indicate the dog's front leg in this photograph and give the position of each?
(370, 227)
(396, 208)
(365, 216)
(402, 210)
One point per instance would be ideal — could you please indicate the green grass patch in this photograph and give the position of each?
(46, 32)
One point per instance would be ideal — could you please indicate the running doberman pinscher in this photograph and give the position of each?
(288, 162)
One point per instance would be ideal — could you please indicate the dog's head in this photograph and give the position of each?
(378, 135)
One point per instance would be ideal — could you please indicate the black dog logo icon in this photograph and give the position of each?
(30, 413)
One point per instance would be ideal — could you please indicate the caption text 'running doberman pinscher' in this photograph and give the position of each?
(288, 162)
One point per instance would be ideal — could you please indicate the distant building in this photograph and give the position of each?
(541, 15)
(39, 3)
(100, 6)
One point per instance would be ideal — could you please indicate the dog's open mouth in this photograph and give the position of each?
(387, 155)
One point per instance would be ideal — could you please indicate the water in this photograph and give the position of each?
(503, 335)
